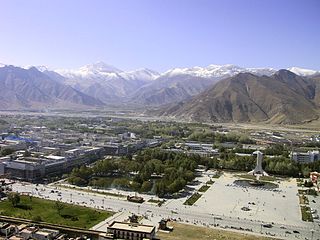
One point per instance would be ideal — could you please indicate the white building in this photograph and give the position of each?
(132, 231)
(308, 157)
(13, 144)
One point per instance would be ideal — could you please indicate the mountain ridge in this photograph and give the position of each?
(282, 97)
(148, 87)
(29, 88)
(213, 93)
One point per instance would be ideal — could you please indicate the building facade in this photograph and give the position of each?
(308, 157)
(132, 231)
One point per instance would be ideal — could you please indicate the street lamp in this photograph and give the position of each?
(312, 232)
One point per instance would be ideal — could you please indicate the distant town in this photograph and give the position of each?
(142, 177)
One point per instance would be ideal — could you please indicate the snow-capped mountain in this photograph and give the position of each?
(218, 71)
(29, 88)
(98, 68)
(181, 83)
(41, 68)
(143, 74)
(106, 82)
(144, 86)
(110, 84)
(303, 72)
(101, 69)
(246, 97)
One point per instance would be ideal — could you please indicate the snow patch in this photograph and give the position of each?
(218, 71)
(302, 71)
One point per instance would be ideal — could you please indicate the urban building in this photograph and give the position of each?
(309, 157)
(35, 168)
(132, 231)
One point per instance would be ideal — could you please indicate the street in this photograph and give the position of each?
(153, 212)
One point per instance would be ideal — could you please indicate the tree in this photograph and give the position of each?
(6, 151)
(59, 206)
(136, 186)
(78, 181)
(14, 198)
(308, 183)
(146, 186)
(306, 171)
(160, 189)
(26, 153)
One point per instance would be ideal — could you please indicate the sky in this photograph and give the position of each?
(160, 34)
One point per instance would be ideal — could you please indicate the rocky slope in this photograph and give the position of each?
(283, 97)
(29, 88)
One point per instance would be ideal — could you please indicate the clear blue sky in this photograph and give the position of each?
(160, 34)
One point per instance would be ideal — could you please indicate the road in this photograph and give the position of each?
(155, 213)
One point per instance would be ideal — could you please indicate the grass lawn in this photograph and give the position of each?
(303, 199)
(45, 210)
(309, 191)
(191, 200)
(190, 232)
(262, 178)
(210, 182)
(93, 191)
(306, 215)
(204, 188)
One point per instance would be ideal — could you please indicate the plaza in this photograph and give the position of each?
(280, 205)
(224, 205)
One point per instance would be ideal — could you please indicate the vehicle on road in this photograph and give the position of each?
(135, 199)
(267, 225)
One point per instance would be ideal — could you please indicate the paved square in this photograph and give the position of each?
(226, 199)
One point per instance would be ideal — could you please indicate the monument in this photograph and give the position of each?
(258, 169)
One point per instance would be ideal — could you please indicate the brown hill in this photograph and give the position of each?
(281, 98)
(316, 82)
(170, 89)
(29, 88)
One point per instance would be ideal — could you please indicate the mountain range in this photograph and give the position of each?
(212, 93)
(31, 89)
(282, 97)
(148, 87)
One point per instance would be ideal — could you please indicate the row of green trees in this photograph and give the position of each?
(162, 172)
(165, 172)
(212, 137)
(281, 165)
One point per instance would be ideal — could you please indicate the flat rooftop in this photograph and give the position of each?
(4, 224)
(15, 237)
(132, 227)
(53, 157)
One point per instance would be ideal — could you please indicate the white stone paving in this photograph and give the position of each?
(221, 205)
(271, 206)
